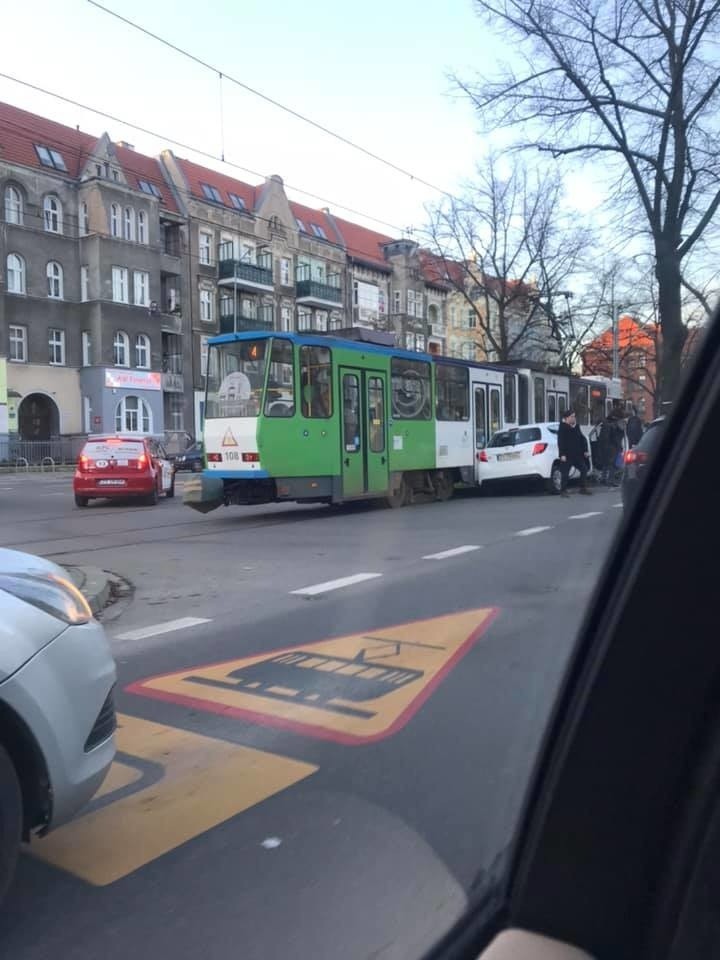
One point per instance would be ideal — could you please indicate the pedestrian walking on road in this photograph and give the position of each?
(634, 428)
(573, 451)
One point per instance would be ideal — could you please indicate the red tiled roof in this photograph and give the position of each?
(362, 243)
(21, 130)
(197, 175)
(437, 270)
(309, 215)
(631, 334)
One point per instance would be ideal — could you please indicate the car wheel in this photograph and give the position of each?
(170, 492)
(152, 498)
(11, 817)
(197, 466)
(554, 483)
(81, 501)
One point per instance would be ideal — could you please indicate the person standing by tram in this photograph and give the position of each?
(573, 452)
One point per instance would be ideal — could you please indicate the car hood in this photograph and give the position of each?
(24, 629)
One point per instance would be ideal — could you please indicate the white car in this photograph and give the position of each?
(523, 452)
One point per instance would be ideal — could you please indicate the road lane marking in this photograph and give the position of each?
(335, 584)
(584, 516)
(168, 626)
(454, 552)
(618, 506)
(353, 689)
(529, 531)
(187, 784)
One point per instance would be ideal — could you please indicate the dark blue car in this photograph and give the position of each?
(191, 459)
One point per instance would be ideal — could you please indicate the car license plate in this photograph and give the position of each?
(111, 483)
(507, 456)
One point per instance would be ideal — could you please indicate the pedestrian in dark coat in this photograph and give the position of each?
(573, 451)
(634, 428)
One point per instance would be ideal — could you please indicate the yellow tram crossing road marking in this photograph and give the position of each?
(183, 785)
(351, 689)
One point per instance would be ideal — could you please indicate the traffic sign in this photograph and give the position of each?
(352, 689)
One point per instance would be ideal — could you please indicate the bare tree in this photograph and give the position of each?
(508, 251)
(634, 82)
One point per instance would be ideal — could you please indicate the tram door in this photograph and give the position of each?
(364, 431)
(487, 414)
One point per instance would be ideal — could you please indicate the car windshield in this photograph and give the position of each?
(321, 390)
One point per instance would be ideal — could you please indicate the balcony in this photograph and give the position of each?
(321, 294)
(173, 383)
(232, 321)
(246, 276)
(171, 322)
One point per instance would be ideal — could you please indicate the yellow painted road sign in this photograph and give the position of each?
(352, 689)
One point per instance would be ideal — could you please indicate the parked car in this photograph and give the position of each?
(523, 453)
(124, 467)
(57, 718)
(637, 459)
(192, 459)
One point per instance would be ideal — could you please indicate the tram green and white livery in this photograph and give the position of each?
(322, 419)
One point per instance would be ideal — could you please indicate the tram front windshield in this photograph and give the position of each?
(235, 378)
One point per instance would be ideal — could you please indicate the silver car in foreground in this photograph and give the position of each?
(57, 718)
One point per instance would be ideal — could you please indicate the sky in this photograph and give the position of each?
(376, 72)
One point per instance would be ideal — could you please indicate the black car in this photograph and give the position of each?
(637, 459)
(191, 459)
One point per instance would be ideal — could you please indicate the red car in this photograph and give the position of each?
(123, 467)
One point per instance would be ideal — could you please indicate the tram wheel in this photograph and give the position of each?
(444, 486)
(398, 497)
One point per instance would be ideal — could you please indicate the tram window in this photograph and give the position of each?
(495, 413)
(316, 382)
(509, 397)
(480, 435)
(351, 413)
(552, 407)
(581, 405)
(452, 400)
(597, 404)
(410, 389)
(280, 392)
(524, 399)
(539, 387)
(562, 404)
(376, 414)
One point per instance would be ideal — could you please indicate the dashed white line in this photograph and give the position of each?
(454, 552)
(584, 516)
(142, 633)
(529, 531)
(618, 506)
(335, 584)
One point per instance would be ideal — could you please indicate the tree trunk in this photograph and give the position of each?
(673, 330)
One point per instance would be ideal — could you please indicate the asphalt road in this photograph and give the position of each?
(257, 813)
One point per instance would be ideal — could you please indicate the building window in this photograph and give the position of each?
(286, 318)
(56, 347)
(205, 247)
(86, 348)
(132, 415)
(247, 252)
(300, 225)
(175, 414)
(149, 188)
(141, 291)
(50, 158)
(285, 267)
(471, 319)
(206, 306)
(211, 193)
(114, 220)
(15, 273)
(121, 349)
(83, 284)
(84, 220)
(318, 231)
(203, 356)
(52, 214)
(120, 285)
(142, 227)
(18, 344)
(54, 280)
(129, 222)
(13, 205)
(397, 301)
(142, 351)
(237, 201)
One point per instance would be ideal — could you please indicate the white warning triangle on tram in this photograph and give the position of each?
(229, 440)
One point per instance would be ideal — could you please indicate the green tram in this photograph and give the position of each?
(324, 419)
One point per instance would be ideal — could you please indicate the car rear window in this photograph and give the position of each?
(508, 438)
(104, 449)
(651, 437)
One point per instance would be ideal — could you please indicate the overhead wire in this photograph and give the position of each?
(271, 100)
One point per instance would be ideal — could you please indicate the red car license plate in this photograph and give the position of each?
(111, 483)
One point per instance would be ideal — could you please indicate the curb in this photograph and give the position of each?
(96, 585)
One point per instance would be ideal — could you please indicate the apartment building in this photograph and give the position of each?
(91, 245)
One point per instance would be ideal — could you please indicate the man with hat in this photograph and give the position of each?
(573, 452)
